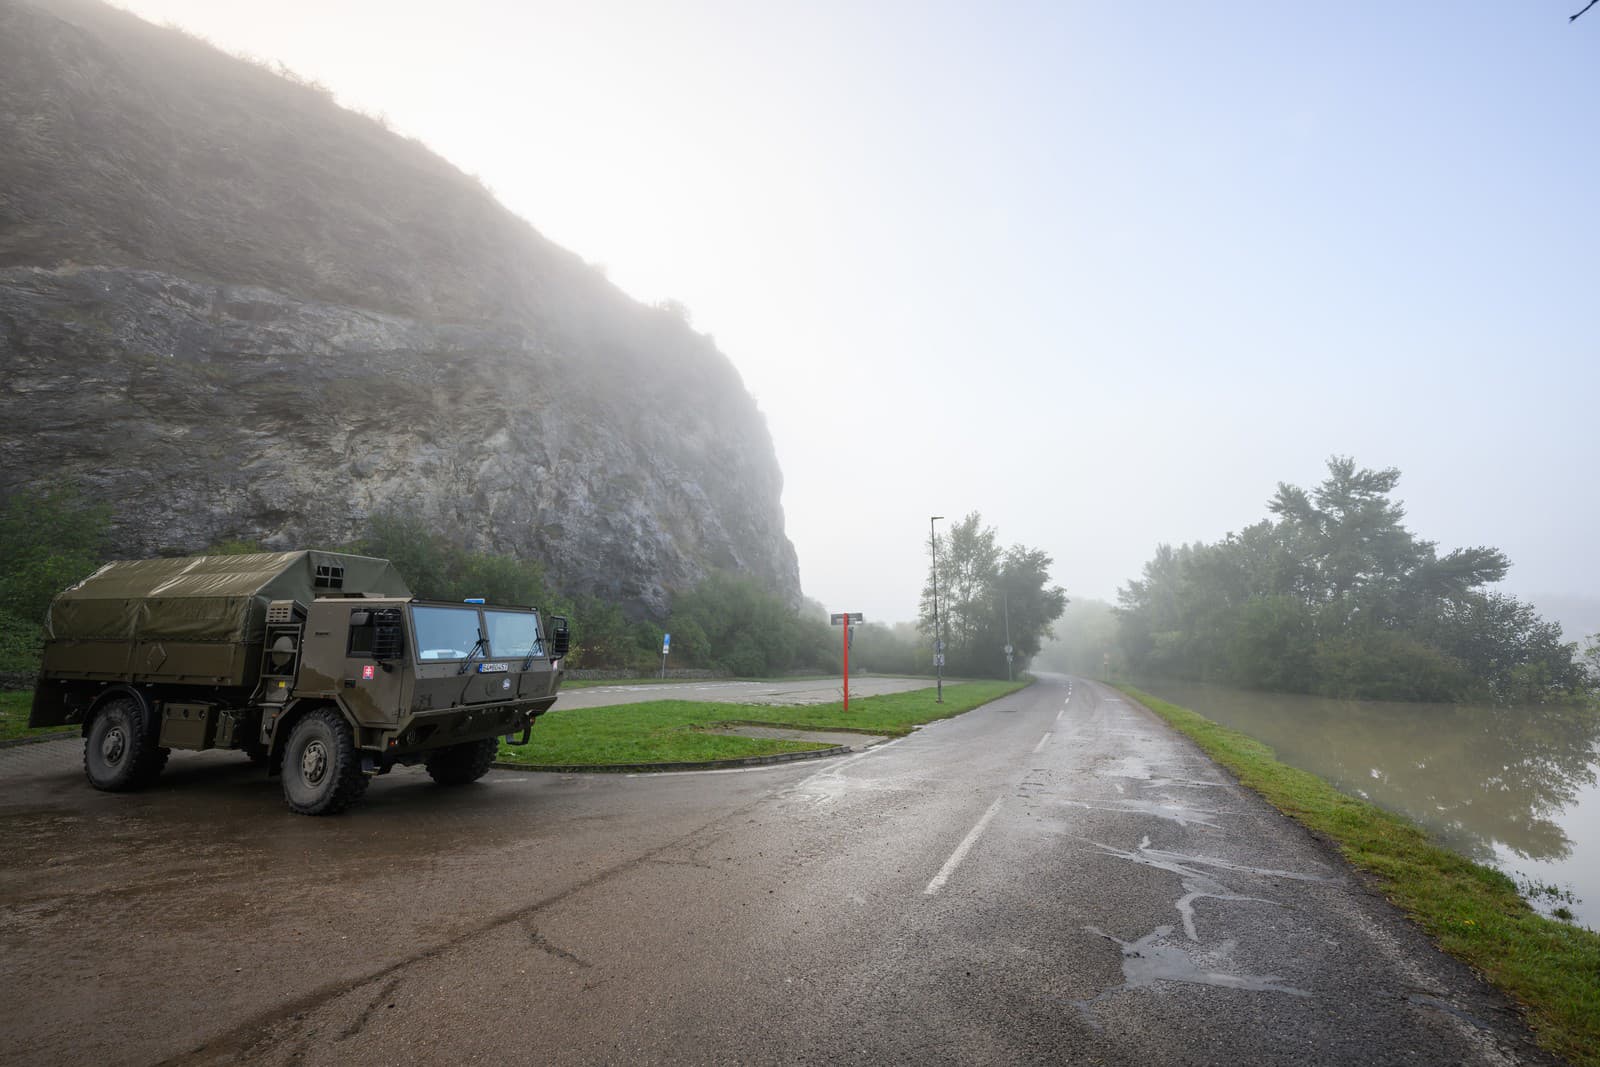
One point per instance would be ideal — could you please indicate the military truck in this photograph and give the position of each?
(320, 665)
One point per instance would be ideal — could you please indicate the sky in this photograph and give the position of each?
(1105, 273)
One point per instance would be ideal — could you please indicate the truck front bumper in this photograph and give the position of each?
(428, 730)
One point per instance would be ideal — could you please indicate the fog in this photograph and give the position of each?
(1105, 273)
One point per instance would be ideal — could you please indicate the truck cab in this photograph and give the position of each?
(414, 675)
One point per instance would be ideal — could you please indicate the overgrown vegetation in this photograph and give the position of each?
(1473, 912)
(48, 540)
(674, 731)
(1333, 595)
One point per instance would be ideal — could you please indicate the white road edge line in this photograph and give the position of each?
(1043, 741)
(960, 853)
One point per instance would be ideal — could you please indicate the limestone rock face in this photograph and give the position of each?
(261, 352)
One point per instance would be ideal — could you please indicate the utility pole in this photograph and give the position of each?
(1005, 600)
(938, 631)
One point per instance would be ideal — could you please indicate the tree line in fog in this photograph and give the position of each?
(1333, 595)
(727, 623)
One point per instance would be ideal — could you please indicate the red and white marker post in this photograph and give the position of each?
(846, 619)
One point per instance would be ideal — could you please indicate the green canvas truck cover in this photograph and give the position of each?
(208, 598)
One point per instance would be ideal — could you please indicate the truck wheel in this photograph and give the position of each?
(119, 754)
(460, 764)
(321, 767)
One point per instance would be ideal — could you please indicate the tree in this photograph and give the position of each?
(1334, 595)
(969, 567)
(1028, 605)
(49, 539)
(730, 623)
(438, 569)
(979, 586)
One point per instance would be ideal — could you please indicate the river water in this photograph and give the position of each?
(1514, 787)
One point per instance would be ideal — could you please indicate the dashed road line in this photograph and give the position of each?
(960, 853)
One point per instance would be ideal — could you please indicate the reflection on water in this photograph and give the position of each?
(1511, 786)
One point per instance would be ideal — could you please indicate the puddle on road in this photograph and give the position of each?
(1199, 885)
(1128, 767)
(1155, 958)
(1177, 813)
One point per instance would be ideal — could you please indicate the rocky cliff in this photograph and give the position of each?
(235, 310)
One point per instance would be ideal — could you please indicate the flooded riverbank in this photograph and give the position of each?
(1515, 787)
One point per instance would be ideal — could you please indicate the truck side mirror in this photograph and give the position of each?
(560, 637)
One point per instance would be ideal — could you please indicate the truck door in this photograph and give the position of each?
(375, 656)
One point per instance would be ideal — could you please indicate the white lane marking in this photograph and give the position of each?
(960, 853)
(1060, 713)
(1043, 741)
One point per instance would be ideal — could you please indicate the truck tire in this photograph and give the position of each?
(460, 764)
(120, 752)
(321, 767)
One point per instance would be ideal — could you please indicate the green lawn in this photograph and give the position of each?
(1471, 911)
(14, 718)
(673, 731)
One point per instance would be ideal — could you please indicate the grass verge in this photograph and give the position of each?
(1471, 911)
(591, 683)
(674, 731)
(14, 708)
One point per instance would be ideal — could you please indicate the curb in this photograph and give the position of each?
(863, 731)
(63, 736)
(701, 765)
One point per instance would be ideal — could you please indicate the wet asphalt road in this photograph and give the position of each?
(1044, 880)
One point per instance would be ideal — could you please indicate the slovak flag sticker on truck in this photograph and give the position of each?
(368, 672)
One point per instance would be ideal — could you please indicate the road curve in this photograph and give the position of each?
(1056, 877)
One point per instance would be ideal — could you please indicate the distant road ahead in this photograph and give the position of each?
(788, 691)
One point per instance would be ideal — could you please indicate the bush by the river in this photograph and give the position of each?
(1333, 595)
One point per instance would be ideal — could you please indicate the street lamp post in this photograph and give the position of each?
(938, 633)
(1005, 601)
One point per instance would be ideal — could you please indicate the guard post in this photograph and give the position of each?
(847, 620)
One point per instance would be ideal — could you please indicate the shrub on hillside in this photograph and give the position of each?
(48, 540)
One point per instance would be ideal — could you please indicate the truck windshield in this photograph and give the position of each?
(444, 633)
(513, 633)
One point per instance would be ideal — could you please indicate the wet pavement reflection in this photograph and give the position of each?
(1518, 787)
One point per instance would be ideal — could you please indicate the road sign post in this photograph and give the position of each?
(846, 619)
(666, 646)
